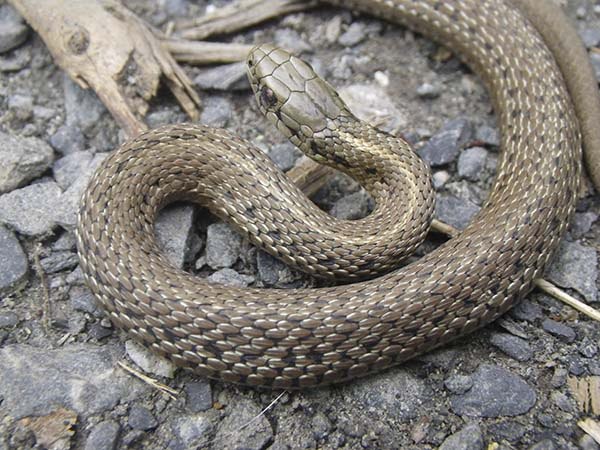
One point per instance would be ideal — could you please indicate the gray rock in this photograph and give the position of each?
(223, 245)
(22, 160)
(21, 106)
(355, 34)
(444, 146)
(562, 401)
(272, 271)
(65, 242)
(546, 444)
(471, 163)
(68, 168)
(496, 392)
(13, 31)
(513, 346)
(510, 430)
(371, 103)
(174, 232)
(353, 206)
(141, 419)
(216, 112)
(333, 30)
(68, 139)
(224, 78)
(16, 61)
(13, 262)
(588, 349)
(590, 36)
(429, 90)
(66, 214)
(595, 60)
(31, 210)
(98, 331)
(198, 396)
(487, 136)
(83, 108)
(148, 361)
(82, 299)
(454, 211)
(577, 367)
(458, 384)
(559, 330)
(103, 436)
(320, 425)
(527, 310)
(230, 277)
(581, 224)
(440, 178)
(176, 8)
(586, 442)
(191, 430)
(58, 261)
(284, 155)
(84, 378)
(8, 319)
(244, 428)
(576, 267)
(469, 438)
(398, 393)
(291, 40)
(131, 438)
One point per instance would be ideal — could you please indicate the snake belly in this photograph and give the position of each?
(307, 337)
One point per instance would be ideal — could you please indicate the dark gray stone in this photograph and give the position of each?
(104, 436)
(191, 430)
(454, 211)
(563, 402)
(496, 392)
(513, 346)
(16, 61)
(230, 277)
(21, 106)
(83, 107)
(352, 206)
(546, 444)
(174, 232)
(99, 332)
(216, 112)
(469, 438)
(284, 155)
(527, 310)
(595, 60)
(321, 426)
(509, 429)
(586, 442)
(225, 77)
(223, 245)
(13, 30)
(22, 160)
(198, 395)
(588, 349)
(559, 377)
(272, 271)
(354, 35)
(576, 267)
(458, 384)
(31, 210)
(68, 139)
(13, 262)
(471, 163)
(397, 394)
(58, 261)
(444, 146)
(488, 136)
(82, 299)
(590, 36)
(244, 428)
(68, 168)
(8, 319)
(559, 330)
(581, 224)
(84, 378)
(65, 242)
(577, 367)
(141, 419)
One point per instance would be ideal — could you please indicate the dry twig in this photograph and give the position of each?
(151, 381)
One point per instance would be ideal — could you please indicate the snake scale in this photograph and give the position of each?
(297, 338)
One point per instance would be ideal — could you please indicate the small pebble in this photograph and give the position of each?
(141, 419)
(198, 396)
(559, 330)
(354, 35)
(429, 90)
(513, 346)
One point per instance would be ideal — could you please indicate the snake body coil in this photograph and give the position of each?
(305, 337)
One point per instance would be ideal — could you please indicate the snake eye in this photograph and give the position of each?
(268, 99)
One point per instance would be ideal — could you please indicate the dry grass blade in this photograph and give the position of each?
(237, 16)
(151, 381)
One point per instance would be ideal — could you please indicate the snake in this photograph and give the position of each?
(307, 337)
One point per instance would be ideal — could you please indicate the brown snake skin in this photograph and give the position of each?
(306, 337)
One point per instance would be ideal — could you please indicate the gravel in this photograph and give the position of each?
(13, 261)
(223, 245)
(103, 436)
(469, 438)
(22, 160)
(198, 396)
(454, 211)
(471, 163)
(559, 330)
(576, 267)
(13, 31)
(445, 145)
(513, 346)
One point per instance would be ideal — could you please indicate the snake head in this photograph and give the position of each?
(292, 96)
